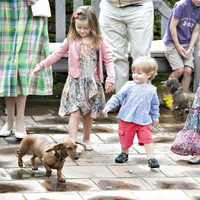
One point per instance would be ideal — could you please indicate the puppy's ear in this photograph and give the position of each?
(55, 147)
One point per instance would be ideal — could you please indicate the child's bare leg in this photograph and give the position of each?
(20, 121)
(186, 78)
(87, 126)
(152, 162)
(149, 150)
(10, 106)
(73, 124)
(124, 150)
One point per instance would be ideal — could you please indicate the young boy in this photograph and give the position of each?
(181, 34)
(139, 108)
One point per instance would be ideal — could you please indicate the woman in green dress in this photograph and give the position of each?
(24, 43)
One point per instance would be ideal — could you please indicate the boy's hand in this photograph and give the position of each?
(105, 111)
(109, 87)
(156, 124)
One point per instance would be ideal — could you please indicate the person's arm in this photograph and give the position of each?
(173, 29)
(52, 58)
(155, 108)
(194, 37)
(116, 100)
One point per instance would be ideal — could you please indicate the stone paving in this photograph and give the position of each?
(95, 176)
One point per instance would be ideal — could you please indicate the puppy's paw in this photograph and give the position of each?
(48, 173)
(61, 179)
(34, 168)
(20, 163)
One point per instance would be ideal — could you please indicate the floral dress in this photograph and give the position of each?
(85, 92)
(188, 139)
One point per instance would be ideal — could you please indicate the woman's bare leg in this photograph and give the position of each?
(10, 106)
(20, 119)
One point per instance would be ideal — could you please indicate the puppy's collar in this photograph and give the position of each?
(58, 156)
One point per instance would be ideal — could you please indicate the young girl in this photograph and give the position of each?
(188, 139)
(139, 108)
(83, 93)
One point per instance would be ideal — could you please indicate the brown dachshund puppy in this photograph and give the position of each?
(51, 154)
(182, 99)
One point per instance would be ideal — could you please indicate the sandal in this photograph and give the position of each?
(121, 158)
(153, 163)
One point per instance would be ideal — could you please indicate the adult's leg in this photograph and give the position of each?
(140, 20)
(20, 119)
(114, 31)
(73, 124)
(10, 106)
(186, 78)
(177, 73)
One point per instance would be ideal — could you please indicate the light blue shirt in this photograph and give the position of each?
(139, 103)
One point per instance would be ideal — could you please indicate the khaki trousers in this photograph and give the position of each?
(121, 27)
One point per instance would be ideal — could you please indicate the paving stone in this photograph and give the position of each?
(181, 171)
(87, 172)
(108, 195)
(11, 196)
(183, 183)
(122, 184)
(20, 186)
(142, 171)
(161, 195)
(53, 196)
(70, 185)
(193, 194)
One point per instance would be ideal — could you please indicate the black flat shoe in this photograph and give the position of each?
(153, 163)
(121, 158)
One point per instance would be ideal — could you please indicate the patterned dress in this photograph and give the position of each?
(24, 43)
(85, 92)
(188, 139)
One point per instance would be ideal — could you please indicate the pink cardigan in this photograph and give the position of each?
(73, 59)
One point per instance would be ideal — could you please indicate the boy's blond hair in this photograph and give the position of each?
(146, 65)
(85, 13)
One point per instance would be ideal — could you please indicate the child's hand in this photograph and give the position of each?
(109, 87)
(36, 70)
(156, 124)
(105, 111)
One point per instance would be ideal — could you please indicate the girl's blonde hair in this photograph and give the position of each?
(146, 65)
(85, 13)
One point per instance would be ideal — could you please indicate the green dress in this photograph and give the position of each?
(24, 42)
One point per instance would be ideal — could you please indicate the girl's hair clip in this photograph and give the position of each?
(76, 15)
